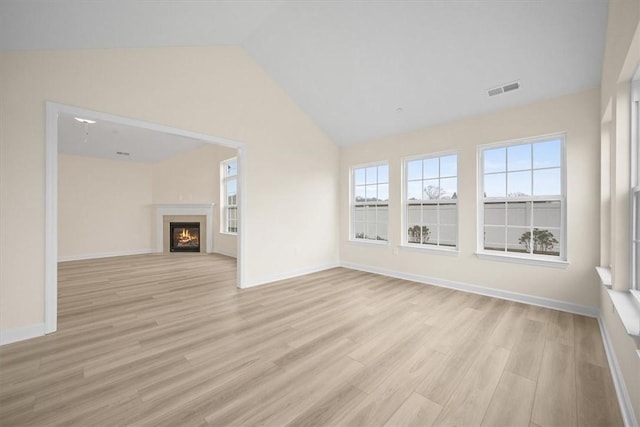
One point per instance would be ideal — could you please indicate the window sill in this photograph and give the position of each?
(430, 249)
(636, 295)
(226, 233)
(628, 309)
(364, 242)
(491, 256)
(626, 303)
(605, 276)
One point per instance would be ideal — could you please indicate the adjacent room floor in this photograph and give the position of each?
(168, 340)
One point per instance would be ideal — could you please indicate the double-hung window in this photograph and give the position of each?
(431, 201)
(370, 202)
(230, 196)
(635, 187)
(523, 199)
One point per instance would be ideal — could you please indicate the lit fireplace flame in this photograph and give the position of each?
(185, 238)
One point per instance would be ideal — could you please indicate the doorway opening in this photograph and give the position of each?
(89, 126)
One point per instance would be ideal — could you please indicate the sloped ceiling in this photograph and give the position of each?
(359, 69)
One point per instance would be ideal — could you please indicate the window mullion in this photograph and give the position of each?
(377, 210)
(422, 221)
(438, 221)
(531, 222)
(506, 205)
(531, 169)
(437, 204)
(506, 225)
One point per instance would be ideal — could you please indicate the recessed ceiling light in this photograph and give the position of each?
(87, 121)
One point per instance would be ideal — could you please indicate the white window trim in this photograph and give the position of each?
(627, 302)
(522, 259)
(368, 242)
(561, 261)
(352, 238)
(418, 247)
(223, 192)
(447, 251)
(634, 184)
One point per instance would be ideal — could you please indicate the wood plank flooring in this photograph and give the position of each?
(168, 340)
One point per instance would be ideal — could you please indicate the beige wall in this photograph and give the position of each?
(194, 177)
(577, 115)
(622, 57)
(191, 177)
(100, 201)
(291, 166)
(104, 207)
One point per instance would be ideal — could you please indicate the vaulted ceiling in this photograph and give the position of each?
(359, 69)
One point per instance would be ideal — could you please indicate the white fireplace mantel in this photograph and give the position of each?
(162, 210)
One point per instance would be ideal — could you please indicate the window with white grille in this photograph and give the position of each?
(230, 196)
(370, 202)
(523, 199)
(431, 201)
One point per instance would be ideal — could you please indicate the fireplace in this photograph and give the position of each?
(184, 237)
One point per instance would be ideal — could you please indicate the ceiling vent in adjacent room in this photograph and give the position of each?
(504, 88)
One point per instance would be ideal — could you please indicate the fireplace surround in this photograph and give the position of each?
(167, 213)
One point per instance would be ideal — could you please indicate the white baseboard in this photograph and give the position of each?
(22, 333)
(291, 275)
(481, 290)
(104, 255)
(624, 400)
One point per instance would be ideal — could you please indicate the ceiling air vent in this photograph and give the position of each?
(504, 88)
(511, 86)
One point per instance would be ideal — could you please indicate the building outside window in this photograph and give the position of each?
(431, 201)
(229, 174)
(370, 202)
(523, 199)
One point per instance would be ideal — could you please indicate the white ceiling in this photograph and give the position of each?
(351, 65)
(106, 139)
(74, 24)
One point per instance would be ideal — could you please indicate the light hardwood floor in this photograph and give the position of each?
(167, 340)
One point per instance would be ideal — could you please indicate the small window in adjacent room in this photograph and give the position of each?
(431, 201)
(523, 194)
(635, 186)
(229, 174)
(370, 202)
